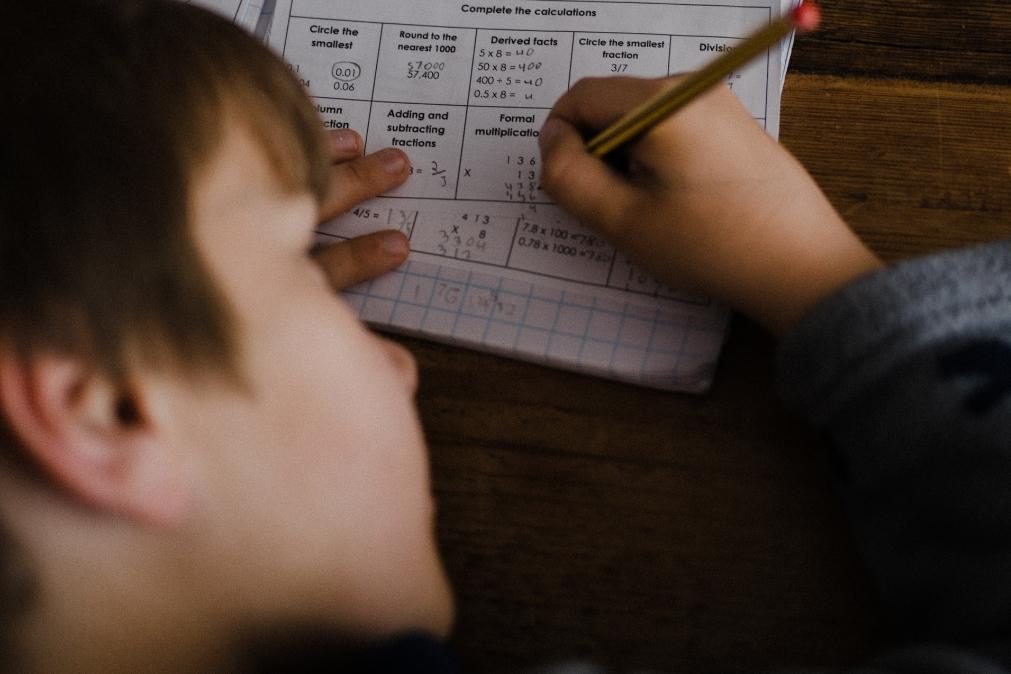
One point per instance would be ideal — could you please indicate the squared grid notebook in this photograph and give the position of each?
(668, 345)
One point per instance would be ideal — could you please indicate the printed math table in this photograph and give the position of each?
(464, 89)
(468, 103)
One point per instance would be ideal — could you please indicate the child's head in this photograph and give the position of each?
(198, 427)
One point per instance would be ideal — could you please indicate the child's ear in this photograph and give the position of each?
(98, 440)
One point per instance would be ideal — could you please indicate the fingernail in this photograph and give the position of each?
(346, 141)
(395, 245)
(549, 132)
(394, 161)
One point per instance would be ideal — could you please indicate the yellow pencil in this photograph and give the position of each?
(643, 118)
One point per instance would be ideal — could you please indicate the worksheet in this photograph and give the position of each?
(463, 88)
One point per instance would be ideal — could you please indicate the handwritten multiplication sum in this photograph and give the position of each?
(524, 183)
(463, 242)
(470, 235)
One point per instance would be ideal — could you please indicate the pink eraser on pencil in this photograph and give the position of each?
(806, 16)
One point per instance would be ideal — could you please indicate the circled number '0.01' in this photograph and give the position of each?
(345, 73)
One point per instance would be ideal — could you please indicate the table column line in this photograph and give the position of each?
(572, 51)
(610, 271)
(512, 242)
(375, 78)
(466, 114)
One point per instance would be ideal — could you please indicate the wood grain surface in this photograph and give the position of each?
(581, 518)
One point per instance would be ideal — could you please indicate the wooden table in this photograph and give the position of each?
(580, 517)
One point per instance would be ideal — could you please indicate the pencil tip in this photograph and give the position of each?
(806, 16)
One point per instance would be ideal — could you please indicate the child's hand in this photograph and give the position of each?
(710, 201)
(354, 179)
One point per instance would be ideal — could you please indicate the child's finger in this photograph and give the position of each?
(352, 182)
(583, 184)
(345, 145)
(351, 262)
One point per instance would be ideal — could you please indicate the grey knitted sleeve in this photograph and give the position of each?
(908, 373)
